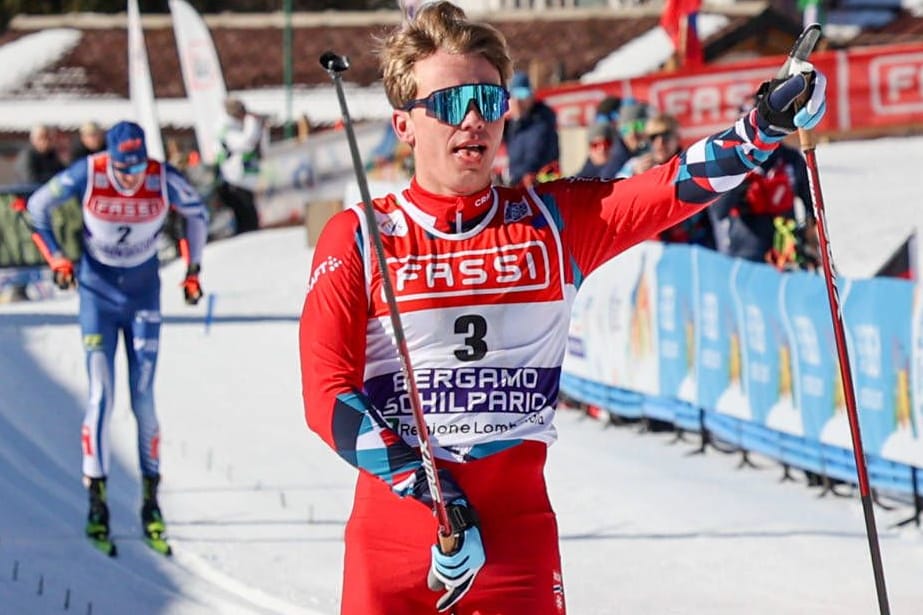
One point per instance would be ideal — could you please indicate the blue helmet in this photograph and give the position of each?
(125, 144)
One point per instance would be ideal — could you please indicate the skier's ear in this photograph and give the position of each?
(403, 126)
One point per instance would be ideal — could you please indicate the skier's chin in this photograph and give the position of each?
(470, 180)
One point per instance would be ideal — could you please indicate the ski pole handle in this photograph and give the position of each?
(806, 138)
(448, 543)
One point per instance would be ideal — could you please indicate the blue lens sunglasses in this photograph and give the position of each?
(451, 105)
(133, 169)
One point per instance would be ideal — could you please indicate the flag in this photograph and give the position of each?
(812, 12)
(679, 19)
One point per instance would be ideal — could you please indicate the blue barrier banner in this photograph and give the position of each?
(905, 445)
(764, 348)
(669, 326)
(676, 323)
(877, 316)
(580, 358)
(612, 336)
(633, 319)
(717, 337)
(816, 376)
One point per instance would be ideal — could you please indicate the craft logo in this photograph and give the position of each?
(328, 265)
(502, 269)
(119, 209)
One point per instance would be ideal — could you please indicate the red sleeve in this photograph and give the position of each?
(333, 323)
(601, 219)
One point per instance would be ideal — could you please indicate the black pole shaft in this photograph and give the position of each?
(426, 446)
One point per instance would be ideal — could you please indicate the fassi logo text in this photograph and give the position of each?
(514, 268)
(128, 210)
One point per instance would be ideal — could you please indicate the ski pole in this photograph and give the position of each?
(334, 65)
(799, 55)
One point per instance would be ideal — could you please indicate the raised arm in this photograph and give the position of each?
(602, 219)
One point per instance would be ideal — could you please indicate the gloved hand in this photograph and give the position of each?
(192, 290)
(455, 571)
(62, 272)
(793, 102)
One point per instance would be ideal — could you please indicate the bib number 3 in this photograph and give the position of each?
(474, 328)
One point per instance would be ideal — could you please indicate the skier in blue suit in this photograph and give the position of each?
(125, 198)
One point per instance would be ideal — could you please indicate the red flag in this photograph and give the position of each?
(679, 19)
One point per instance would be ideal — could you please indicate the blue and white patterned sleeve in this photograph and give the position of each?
(720, 162)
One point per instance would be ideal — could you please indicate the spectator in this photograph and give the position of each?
(35, 164)
(632, 121)
(531, 135)
(607, 111)
(660, 141)
(91, 139)
(240, 151)
(39, 161)
(599, 143)
(125, 197)
(662, 134)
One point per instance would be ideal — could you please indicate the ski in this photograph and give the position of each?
(159, 544)
(103, 544)
(154, 530)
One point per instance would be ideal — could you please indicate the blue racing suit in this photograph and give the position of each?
(119, 286)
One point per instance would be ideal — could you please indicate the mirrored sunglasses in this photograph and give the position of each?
(451, 105)
(637, 126)
(132, 169)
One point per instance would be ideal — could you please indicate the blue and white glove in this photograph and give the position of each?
(796, 101)
(455, 571)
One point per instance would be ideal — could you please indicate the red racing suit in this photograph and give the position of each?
(484, 284)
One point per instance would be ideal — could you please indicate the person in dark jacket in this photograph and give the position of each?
(90, 139)
(34, 165)
(531, 135)
(599, 144)
(769, 218)
(38, 162)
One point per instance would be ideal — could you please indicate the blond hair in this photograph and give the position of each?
(437, 26)
(662, 122)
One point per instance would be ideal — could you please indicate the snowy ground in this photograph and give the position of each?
(256, 503)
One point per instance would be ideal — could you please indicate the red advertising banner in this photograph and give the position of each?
(885, 89)
(866, 88)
